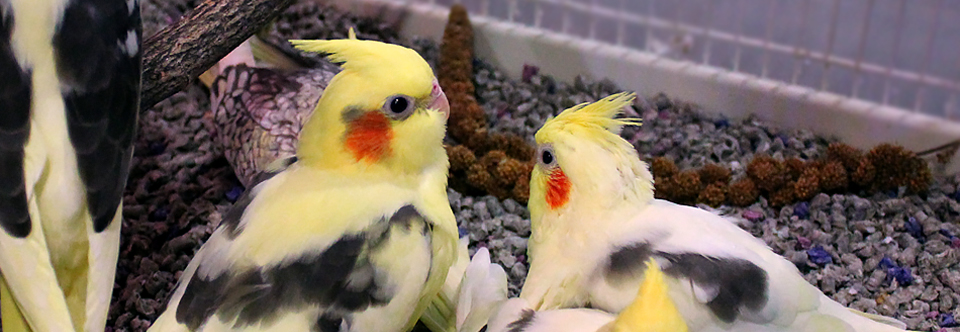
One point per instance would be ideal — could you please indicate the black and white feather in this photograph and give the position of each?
(68, 113)
(720, 277)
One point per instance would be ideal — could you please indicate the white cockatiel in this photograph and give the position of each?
(69, 98)
(356, 232)
(595, 222)
(476, 288)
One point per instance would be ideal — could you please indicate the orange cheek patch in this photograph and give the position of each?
(368, 136)
(558, 189)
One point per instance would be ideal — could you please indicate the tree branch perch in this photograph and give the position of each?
(178, 54)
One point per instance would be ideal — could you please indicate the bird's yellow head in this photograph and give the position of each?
(383, 111)
(583, 161)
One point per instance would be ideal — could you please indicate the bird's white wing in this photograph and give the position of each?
(722, 273)
(724, 279)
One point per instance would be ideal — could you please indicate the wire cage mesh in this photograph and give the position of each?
(890, 52)
(865, 71)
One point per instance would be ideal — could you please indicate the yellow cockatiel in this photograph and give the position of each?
(356, 233)
(594, 222)
(69, 98)
(651, 311)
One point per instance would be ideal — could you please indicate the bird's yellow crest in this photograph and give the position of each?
(384, 110)
(356, 55)
(591, 120)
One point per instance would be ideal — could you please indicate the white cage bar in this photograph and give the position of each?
(865, 71)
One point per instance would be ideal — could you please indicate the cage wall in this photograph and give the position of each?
(864, 71)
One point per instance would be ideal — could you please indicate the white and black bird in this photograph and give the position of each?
(69, 98)
(595, 222)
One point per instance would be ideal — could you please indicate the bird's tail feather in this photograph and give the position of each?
(253, 52)
(240, 55)
(853, 320)
(269, 55)
(12, 319)
(483, 290)
(882, 319)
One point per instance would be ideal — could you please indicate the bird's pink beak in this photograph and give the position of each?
(439, 101)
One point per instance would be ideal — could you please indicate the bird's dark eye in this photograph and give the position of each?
(398, 107)
(546, 157)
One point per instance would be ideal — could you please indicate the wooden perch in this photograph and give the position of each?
(179, 53)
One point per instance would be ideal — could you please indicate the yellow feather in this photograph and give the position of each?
(371, 58)
(13, 320)
(591, 120)
(444, 241)
(652, 310)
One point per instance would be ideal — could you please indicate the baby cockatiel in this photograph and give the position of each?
(652, 310)
(69, 98)
(474, 290)
(594, 223)
(356, 234)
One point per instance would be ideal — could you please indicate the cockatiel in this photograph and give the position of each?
(258, 110)
(594, 221)
(482, 289)
(477, 288)
(356, 234)
(69, 98)
(651, 311)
